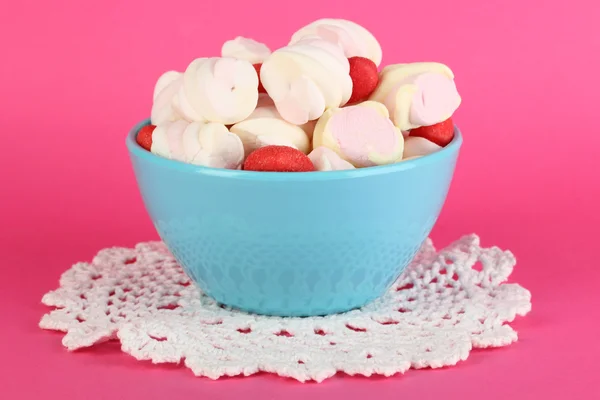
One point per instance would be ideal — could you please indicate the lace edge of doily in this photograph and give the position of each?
(78, 337)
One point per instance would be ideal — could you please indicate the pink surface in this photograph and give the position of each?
(77, 75)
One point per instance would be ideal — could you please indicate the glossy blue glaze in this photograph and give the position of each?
(294, 244)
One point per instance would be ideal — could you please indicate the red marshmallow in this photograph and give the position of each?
(440, 134)
(144, 137)
(278, 159)
(365, 78)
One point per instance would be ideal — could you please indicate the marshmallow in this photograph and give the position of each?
(266, 108)
(245, 49)
(223, 90)
(417, 94)
(325, 159)
(361, 134)
(306, 78)
(165, 90)
(208, 144)
(309, 128)
(415, 146)
(352, 38)
(266, 127)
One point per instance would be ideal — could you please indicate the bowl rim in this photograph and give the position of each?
(135, 150)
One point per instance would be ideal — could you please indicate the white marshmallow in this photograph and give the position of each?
(266, 127)
(306, 78)
(354, 40)
(223, 90)
(325, 159)
(208, 144)
(245, 49)
(266, 108)
(415, 146)
(417, 94)
(361, 134)
(165, 90)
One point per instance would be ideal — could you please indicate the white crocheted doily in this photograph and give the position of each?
(445, 304)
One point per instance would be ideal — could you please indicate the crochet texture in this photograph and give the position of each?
(445, 304)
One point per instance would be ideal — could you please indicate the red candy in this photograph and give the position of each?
(144, 136)
(440, 134)
(261, 88)
(278, 159)
(364, 78)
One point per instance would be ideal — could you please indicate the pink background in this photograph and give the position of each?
(76, 75)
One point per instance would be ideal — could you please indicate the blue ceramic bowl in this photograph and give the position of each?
(294, 244)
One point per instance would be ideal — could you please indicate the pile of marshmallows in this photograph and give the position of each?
(318, 104)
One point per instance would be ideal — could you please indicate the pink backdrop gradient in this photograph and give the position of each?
(76, 75)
